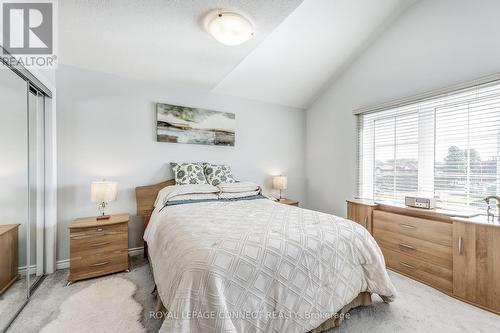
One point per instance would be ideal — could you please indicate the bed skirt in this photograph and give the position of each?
(363, 299)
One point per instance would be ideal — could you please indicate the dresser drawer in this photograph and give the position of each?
(414, 227)
(436, 276)
(99, 239)
(95, 245)
(97, 262)
(99, 231)
(434, 253)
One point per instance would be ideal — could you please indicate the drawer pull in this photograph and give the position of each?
(407, 226)
(99, 244)
(459, 245)
(100, 264)
(100, 229)
(406, 246)
(406, 265)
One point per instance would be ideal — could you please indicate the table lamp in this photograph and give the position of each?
(280, 183)
(102, 193)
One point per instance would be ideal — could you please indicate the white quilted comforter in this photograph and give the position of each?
(259, 266)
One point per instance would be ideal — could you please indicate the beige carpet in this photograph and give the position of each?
(418, 308)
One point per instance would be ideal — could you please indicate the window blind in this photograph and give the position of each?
(446, 146)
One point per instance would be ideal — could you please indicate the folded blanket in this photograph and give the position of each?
(186, 192)
(234, 195)
(238, 187)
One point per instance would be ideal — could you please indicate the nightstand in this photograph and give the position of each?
(290, 202)
(98, 247)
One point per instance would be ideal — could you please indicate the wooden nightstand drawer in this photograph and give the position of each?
(98, 264)
(88, 238)
(98, 231)
(98, 260)
(98, 247)
(105, 243)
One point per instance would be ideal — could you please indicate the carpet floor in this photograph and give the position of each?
(11, 301)
(418, 307)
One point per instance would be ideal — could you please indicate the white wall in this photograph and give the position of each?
(434, 44)
(106, 129)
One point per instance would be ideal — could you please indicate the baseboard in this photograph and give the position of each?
(62, 264)
(22, 270)
(135, 251)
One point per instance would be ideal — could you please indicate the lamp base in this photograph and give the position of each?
(103, 217)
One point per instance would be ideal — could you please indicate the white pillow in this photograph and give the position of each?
(238, 187)
(186, 192)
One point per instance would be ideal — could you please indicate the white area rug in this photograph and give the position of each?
(106, 306)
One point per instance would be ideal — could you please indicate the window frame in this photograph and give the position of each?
(426, 178)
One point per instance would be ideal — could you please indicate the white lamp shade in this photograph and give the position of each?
(230, 28)
(103, 191)
(280, 182)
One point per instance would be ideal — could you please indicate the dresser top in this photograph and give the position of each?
(7, 227)
(85, 222)
(364, 202)
(480, 219)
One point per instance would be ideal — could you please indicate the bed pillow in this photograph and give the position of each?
(185, 193)
(216, 174)
(238, 187)
(188, 173)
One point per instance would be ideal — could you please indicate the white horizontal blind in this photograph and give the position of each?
(446, 146)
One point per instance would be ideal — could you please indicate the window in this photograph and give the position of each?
(446, 146)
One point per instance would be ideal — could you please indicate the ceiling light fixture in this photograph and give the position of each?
(228, 28)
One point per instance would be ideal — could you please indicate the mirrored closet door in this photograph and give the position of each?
(13, 194)
(36, 181)
(22, 187)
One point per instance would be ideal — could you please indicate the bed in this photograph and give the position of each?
(257, 265)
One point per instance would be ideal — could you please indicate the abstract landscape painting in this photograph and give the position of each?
(182, 124)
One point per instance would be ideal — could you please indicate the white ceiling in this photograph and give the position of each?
(310, 47)
(159, 40)
(298, 46)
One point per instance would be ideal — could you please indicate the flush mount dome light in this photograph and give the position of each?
(229, 28)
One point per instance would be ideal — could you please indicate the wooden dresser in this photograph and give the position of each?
(10, 255)
(458, 256)
(98, 247)
(416, 247)
(360, 211)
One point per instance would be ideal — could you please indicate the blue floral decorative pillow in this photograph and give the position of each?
(216, 174)
(188, 173)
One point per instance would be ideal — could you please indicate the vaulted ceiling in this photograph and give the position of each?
(298, 47)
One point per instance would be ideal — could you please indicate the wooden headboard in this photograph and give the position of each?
(146, 196)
